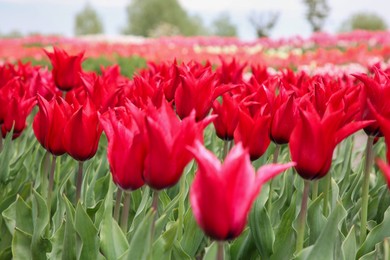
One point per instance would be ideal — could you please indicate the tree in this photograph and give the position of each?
(88, 22)
(317, 12)
(144, 17)
(223, 26)
(263, 22)
(364, 21)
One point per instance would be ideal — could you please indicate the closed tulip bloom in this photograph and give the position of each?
(283, 119)
(126, 147)
(82, 132)
(66, 69)
(168, 138)
(222, 195)
(253, 132)
(49, 123)
(227, 117)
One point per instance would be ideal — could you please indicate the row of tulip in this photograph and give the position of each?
(155, 125)
(359, 47)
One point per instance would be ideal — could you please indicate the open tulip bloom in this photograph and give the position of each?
(222, 194)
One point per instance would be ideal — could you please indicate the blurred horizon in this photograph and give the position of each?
(58, 16)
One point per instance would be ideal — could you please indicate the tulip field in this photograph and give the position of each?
(195, 148)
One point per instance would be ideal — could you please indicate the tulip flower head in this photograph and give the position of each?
(49, 123)
(66, 69)
(82, 132)
(126, 147)
(168, 138)
(221, 195)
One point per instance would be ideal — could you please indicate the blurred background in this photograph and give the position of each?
(246, 19)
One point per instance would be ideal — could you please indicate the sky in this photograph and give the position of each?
(57, 16)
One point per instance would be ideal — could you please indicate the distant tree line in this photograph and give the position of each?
(155, 18)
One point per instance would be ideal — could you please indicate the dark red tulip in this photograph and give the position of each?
(82, 132)
(126, 150)
(49, 123)
(66, 69)
(168, 138)
(222, 195)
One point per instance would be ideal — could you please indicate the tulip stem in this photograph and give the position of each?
(51, 181)
(125, 211)
(386, 248)
(314, 192)
(1, 144)
(302, 218)
(155, 201)
(220, 252)
(79, 182)
(365, 188)
(328, 180)
(271, 190)
(117, 204)
(225, 150)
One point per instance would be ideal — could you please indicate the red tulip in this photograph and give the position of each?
(283, 118)
(376, 91)
(253, 132)
(198, 92)
(126, 150)
(221, 195)
(168, 138)
(66, 69)
(15, 106)
(82, 132)
(227, 117)
(49, 123)
(313, 140)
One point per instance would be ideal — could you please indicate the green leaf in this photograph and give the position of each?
(315, 219)
(192, 236)
(19, 215)
(141, 211)
(349, 245)
(244, 246)
(40, 215)
(141, 242)
(377, 235)
(284, 245)
(324, 246)
(212, 251)
(261, 229)
(163, 246)
(88, 234)
(113, 241)
(57, 242)
(21, 243)
(69, 242)
(5, 158)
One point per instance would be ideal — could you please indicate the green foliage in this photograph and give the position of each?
(316, 13)
(145, 17)
(364, 21)
(223, 26)
(88, 22)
